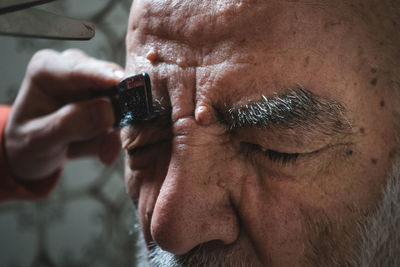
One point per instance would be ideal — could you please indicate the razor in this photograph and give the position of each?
(131, 100)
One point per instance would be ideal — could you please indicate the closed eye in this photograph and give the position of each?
(272, 155)
(144, 148)
(134, 151)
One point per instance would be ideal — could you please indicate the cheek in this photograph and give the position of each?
(271, 215)
(144, 184)
(132, 184)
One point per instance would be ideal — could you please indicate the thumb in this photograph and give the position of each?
(38, 147)
(80, 121)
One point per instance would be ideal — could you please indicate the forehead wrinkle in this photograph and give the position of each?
(201, 22)
(296, 109)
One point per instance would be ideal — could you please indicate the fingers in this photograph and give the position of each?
(54, 79)
(54, 109)
(41, 145)
(81, 120)
(74, 122)
(106, 146)
(72, 74)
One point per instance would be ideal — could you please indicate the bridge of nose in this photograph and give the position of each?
(193, 206)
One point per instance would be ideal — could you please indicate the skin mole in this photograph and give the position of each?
(382, 103)
(374, 81)
(349, 152)
(374, 161)
(221, 183)
(362, 130)
(152, 56)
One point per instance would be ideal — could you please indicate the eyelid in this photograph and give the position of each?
(283, 158)
(278, 140)
(139, 149)
(274, 156)
(343, 148)
(265, 150)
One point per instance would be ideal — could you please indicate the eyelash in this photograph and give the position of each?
(274, 156)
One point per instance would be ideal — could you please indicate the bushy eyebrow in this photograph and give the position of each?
(295, 109)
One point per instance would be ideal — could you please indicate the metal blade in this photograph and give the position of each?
(42, 24)
(7, 6)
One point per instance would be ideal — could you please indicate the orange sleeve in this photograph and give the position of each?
(11, 188)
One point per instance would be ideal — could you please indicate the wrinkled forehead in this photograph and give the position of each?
(182, 18)
(193, 30)
(203, 22)
(207, 24)
(265, 41)
(208, 32)
(198, 22)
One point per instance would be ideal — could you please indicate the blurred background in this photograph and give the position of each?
(89, 219)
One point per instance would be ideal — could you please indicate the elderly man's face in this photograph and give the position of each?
(280, 134)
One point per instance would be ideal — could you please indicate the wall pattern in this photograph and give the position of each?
(89, 219)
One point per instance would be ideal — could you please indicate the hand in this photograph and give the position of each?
(54, 117)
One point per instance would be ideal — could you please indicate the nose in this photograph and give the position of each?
(193, 206)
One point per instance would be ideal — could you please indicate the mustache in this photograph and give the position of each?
(211, 254)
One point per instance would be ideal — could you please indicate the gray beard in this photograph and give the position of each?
(380, 240)
(380, 245)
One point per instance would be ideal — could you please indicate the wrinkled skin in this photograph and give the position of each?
(193, 183)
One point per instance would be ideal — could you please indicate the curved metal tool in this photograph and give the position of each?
(17, 18)
(7, 6)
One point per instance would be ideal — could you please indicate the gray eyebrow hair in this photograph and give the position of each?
(295, 109)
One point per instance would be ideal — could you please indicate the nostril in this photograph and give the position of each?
(168, 237)
(178, 227)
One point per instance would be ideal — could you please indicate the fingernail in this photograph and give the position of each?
(114, 74)
(119, 74)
